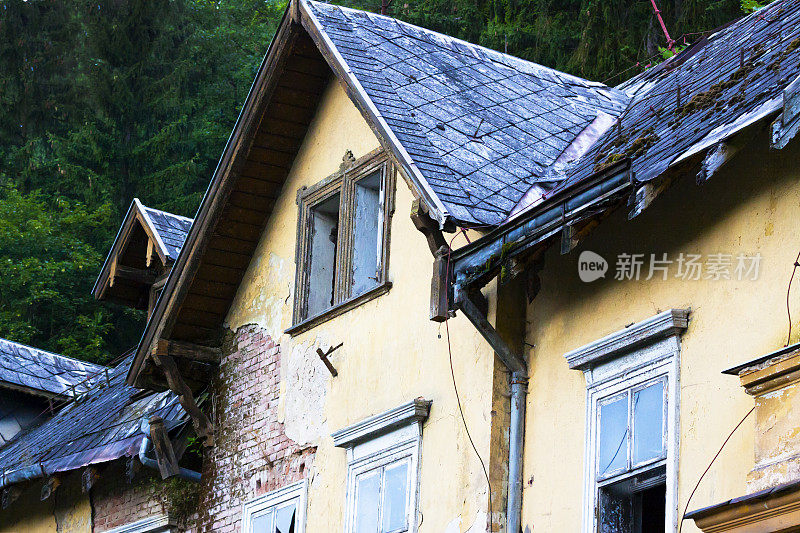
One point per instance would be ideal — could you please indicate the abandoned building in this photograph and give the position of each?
(434, 287)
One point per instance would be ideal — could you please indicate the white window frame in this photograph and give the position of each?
(382, 440)
(151, 524)
(631, 359)
(295, 491)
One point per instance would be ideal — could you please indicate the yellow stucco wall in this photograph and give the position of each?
(67, 511)
(391, 352)
(751, 207)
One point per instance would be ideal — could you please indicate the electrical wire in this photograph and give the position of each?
(453, 375)
(788, 290)
(686, 508)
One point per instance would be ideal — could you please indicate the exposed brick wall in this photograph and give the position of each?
(116, 502)
(252, 454)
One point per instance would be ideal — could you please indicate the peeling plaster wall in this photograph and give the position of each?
(391, 352)
(68, 510)
(751, 206)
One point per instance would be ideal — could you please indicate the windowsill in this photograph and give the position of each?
(339, 309)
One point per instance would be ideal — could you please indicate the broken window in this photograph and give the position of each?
(279, 511)
(631, 445)
(342, 242)
(632, 426)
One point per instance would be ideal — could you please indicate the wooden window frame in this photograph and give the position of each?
(630, 360)
(344, 183)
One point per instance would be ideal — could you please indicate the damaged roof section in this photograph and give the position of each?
(44, 373)
(170, 229)
(481, 126)
(102, 425)
(702, 96)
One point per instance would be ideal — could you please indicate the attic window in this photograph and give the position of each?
(342, 238)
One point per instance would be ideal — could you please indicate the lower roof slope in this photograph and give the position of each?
(102, 425)
(481, 126)
(44, 373)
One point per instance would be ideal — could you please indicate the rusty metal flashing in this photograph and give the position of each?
(475, 264)
(735, 370)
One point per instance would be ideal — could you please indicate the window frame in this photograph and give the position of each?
(150, 524)
(344, 183)
(273, 499)
(629, 360)
(402, 444)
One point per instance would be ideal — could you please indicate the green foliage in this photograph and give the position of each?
(748, 6)
(104, 100)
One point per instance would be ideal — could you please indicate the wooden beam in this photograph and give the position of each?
(165, 455)
(427, 226)
(89, 477)
(202, 424)
(134, 274)
(10, 494)
(439, 311)
(188, 350)
(49, 487)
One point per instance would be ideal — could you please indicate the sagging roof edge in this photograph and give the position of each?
(296, 16)
(122, 234)
(523, 227)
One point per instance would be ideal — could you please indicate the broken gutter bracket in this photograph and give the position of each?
(325, 355)
(144, 460)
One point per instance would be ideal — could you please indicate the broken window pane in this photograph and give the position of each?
(262, 523)
(367, 233)
(368, 487)
(394, 497)
(284, 519)
(322, 256)
(613, 453)
(648, 423)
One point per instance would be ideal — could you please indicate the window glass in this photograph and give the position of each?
(368, 488)
(322, 255)
(366, 236)
(648, 423)
(262, 523)
(394, 497)
(284, 519)
(613, 452)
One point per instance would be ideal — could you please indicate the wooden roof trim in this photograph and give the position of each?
(152, 232)
(214, 200)
(136, 212)
(364, 103)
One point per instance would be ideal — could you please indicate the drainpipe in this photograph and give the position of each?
(145, 447)
(516, 439)
(519, 392)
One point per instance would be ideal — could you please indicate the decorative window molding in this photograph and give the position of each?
(383, 457)
(663, 325)
(642, 357)
(259, 514)
(414, 411)
(151, 524)
(343, 227)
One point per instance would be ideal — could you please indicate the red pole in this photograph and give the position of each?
(670, 41)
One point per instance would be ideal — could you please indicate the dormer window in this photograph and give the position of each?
(342, 239)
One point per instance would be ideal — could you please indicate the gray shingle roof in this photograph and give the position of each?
(102, 425)
(49, 374)
(171, 229)
(704, 94)
(481, 126)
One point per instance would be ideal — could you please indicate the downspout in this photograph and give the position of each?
(519, 392)
(144, 448)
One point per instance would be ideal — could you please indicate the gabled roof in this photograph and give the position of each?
(481, 126)
(43, 373)
(102, 425)
(148, 241)
(469, 128)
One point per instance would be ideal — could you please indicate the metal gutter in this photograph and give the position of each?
(147, 445)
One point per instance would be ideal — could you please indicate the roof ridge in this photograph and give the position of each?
(173, 215)
(485, 49)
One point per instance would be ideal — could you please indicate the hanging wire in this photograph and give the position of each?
(788, 291)
(453, 374)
